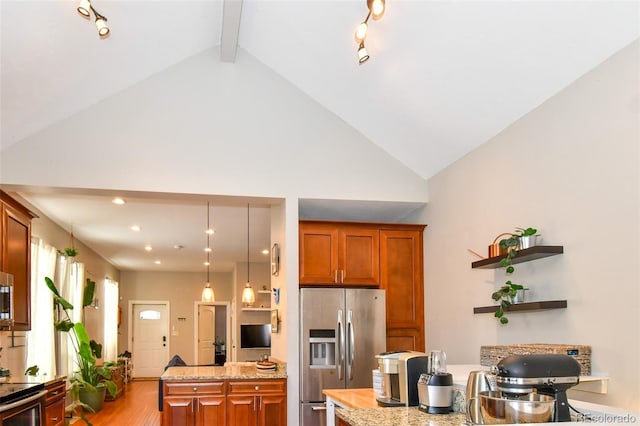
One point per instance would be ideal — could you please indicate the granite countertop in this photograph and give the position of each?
(393, 416)
(228, 371)
(44, 379)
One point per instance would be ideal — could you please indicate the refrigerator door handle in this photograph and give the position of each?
(352, 344)
(340, 346)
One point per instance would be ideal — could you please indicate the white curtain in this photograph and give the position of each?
(110, 348)
(42, 334)
(70, 283)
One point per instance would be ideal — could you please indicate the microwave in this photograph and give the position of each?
(6, 300)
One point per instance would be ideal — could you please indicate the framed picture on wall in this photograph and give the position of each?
(274, 320)
(275, 259)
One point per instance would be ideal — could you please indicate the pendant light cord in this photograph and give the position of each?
(208, 244)
(248, 243)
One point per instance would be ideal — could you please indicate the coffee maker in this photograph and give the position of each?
(400, 373)
(435, 386)
(547, 374)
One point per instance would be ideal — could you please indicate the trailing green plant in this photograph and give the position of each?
(71, 251)
(509, 290)
(88, 376)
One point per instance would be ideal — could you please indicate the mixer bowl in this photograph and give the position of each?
(496, 408)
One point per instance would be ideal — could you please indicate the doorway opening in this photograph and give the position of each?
(212, 332)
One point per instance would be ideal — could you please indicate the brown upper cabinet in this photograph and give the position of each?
(337, 253)
(15, 256)
(388, 256)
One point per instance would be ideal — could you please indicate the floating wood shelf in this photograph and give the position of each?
(525, 255)
(257, 309)
(522, 307)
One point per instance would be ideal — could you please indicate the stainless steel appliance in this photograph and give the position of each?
(341, 331)
(435, 388)
(478, 381)
(401, 371)
(22, 404)
(6, 300)
(517, 376)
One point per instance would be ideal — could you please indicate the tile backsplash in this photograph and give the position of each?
(491, 355)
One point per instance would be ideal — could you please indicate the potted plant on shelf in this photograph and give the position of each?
(89, 382)
(511, 292)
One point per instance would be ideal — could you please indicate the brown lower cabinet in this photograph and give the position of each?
(55, 402)
(225, 402)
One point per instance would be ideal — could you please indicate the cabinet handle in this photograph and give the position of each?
(54, 419)
(335, 276)
(55, 392)
(195, 389)
(342, 275)
(260, 406)
(254, 404)
(257, 388)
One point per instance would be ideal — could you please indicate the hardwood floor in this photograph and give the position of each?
(138, 406)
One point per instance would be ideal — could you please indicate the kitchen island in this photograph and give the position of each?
(235, 394)
(393, 416)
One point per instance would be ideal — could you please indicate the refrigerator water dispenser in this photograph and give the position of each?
(323, 348)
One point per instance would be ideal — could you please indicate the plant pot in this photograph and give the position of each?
(519, 297)
(93, 399)
(527, 242)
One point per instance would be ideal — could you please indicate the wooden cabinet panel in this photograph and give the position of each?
(211, 411)
(359, 256)
(195, 388)
(178, 412)
(273, 411)
(318, 245)
(401, 254)
(339, 253)
(54, 413)
(241, 411)
(15, 234)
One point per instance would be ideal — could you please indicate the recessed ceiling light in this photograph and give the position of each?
(210, 231)
(119, 201)
(178, 246)
(157, 262)
(148, 247)
(207, 263)
(135, 228)
(207, 249)
(265, 251)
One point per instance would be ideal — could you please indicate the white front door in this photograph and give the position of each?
(150, 342)
(206, 334)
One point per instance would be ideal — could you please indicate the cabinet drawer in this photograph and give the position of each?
(193, 388)
(54, 413)
(257, 387)
(55, 391)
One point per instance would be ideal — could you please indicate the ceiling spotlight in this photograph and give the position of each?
(148, 247)
(207, 249)
(210, 231)
(377, 8)
(363, 56)
(117, 200)
(83, 8)
(135, 228)
(101, 24)
(361, 31)
(265, 251)
(157, 262)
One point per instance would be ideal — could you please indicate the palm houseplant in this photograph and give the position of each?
(90, 382)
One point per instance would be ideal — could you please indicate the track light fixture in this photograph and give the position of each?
(85, 8)
(376, 10)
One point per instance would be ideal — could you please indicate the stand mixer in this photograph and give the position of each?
(546, 374)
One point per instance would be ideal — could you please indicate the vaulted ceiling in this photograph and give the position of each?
(444, 76)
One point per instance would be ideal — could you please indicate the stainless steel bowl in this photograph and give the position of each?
(496, 408)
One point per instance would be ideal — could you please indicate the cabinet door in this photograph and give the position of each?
(359, 256)
(402, 277)
(318, 245)
(178, 412)
(241, 410)
(272, 411)
(211, 411)
(54, 413)
(17, 261)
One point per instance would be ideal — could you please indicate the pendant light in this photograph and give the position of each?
(248, 296)
(207, 292)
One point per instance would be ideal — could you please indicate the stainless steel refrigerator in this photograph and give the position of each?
(341, 332)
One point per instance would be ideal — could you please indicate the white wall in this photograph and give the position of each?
(570, 169)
